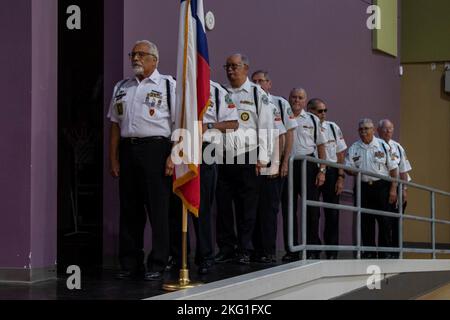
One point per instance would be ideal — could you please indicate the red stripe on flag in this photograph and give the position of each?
(203, 85)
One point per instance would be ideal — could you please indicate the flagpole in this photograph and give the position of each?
(184, 282)
(184, 272)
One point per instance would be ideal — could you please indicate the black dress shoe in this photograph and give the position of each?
(173, 265)
(153, 276)
(223, 257)
(204, 267)
(290, 257)
(266, 259)
(128, 275)
(243, 258)
(313, 256)
(123, 274)
(368, 255)
(388, 256)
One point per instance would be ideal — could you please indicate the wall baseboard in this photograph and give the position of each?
(27, 276)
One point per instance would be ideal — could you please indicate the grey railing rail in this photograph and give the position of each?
(304, 247)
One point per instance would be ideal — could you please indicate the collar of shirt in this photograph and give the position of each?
(391, 143)
(302, 114)
(367, 146)
(325, 125)
(155, 78)
(247, 87)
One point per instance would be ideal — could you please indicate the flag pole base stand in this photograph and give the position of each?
(182, 284)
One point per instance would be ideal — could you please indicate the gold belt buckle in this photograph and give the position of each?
(370, 183)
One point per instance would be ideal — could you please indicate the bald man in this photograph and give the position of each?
(398, 155)
(309, 140)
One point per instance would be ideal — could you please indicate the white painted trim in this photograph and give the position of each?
(303, 280)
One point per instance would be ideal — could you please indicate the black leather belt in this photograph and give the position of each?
(373, 183)
(136, 141)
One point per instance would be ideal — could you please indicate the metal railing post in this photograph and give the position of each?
(304, 208)
(400, 220)
(433, 223)
(358, 217)
(291, 204)
(359, 209)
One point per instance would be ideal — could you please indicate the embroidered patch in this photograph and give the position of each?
(379, 155)
(119, 108)
(245, 116)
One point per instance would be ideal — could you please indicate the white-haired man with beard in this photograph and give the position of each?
(142, 118)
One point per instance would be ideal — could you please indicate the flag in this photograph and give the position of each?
(193, 91)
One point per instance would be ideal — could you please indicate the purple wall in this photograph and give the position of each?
(15, 140)
(44, 133)
(321, 45)
(28, 81)
(113, 47)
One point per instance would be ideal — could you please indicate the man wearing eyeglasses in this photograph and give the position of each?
(372, 154)
(247, 152)
(265, 234)
(142, 114)
(398, 154)
(310, 141)
(334, 182)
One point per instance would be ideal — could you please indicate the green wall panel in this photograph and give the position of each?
(386, 38)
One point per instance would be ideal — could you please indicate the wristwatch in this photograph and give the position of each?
(210, 126)
(323, 170)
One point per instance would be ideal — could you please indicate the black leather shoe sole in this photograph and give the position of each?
(224, 258)
(153, 276)
(128, 275)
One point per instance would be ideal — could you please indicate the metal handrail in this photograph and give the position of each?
(304, 247)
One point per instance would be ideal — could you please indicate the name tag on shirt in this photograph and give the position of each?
(247, 102)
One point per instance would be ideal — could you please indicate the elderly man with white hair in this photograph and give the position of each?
(398, 154)
(372, 154)
(142, 117)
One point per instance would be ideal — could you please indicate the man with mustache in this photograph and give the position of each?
(142, 118)
(372, 154)
(246, 155)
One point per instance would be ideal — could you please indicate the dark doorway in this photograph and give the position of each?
(80, 137)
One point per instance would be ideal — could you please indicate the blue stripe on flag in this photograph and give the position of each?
(202, 42)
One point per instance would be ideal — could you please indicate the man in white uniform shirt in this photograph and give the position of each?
(308, 141)
(265, 234)
(372, 154)
(398, 154)
(142, 114)
(334, 183)
(248, 150)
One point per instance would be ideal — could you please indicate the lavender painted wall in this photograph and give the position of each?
(321, 45)
(113, 47)
(44, 133)
(28, 81)
(15, 140)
